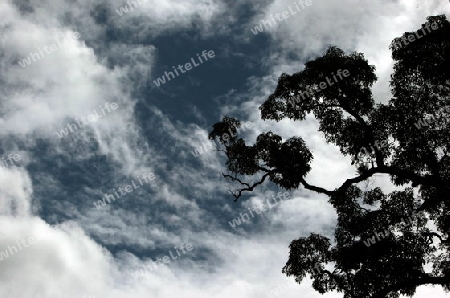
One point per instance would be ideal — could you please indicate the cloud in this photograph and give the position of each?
(15, 189)
(112, 61)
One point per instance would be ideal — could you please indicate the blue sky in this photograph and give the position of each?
(94, 252)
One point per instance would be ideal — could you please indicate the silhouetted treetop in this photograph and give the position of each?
(382, 241)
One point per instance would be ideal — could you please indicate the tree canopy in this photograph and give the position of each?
(407, 138)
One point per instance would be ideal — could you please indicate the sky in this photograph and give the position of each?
(82, 113)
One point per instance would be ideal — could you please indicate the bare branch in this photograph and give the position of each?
(316, 188)
(248, 188)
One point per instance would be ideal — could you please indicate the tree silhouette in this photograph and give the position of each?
(375, 252)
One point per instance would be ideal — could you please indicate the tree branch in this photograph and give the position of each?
(316, 188)
(248, 188)
(428, 180)
(433, 234)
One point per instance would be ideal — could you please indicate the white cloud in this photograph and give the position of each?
(74, 80)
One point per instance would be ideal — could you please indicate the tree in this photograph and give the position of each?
(358, 263)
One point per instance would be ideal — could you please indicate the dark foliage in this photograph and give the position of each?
(415, 157)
